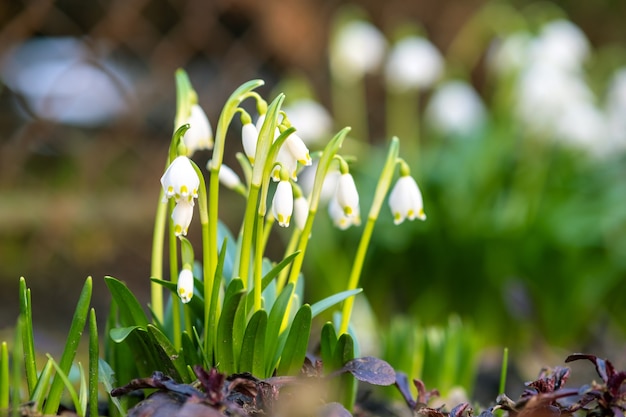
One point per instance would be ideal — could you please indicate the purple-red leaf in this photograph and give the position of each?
(371, 370)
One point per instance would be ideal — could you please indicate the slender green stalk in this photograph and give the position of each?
(16, 377)
(4, 377)
(248, 232)
(350, 107)
(379, 197)
(258, 262)
(504, 371)
(291, 247)
(94, 352)
(229, 111)
(176, 332)
(30, 362)
(156, 265)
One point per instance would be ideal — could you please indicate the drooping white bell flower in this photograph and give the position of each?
(455, 108)
(228, 177)
(200, 134)
(347, 195)
(249, 139)
(181, 216)
(282, 204)
(300, 211)
(405, 200)
(414, 63)
(180, 180)
(298, 149)
(185, 285)
(561, 44)
(357, 49)
(339, 217)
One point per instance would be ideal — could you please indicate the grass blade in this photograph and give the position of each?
(28, 345)
(328, 302)
(94, 352)
(41, 387)
(69, 352)
(252, 358)
(65, 381)
(4, 377)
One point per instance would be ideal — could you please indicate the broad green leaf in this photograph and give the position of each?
(119, 334)
(212, 313)
(28, 344)
(328, 342)
(190, 351)
(274, 323)
(197, 301)
(186, 250)
(334, 299)
(131, 313)
(252, 358)
(171, 353)
(82, 391)
(238, 329)
(294, 352)
(69, 352)
(344, 352)
(224, 354)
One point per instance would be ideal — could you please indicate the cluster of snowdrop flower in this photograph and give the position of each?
(552, 96)
(182, 181)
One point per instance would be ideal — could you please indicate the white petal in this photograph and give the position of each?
(300, 211)
(180, 180)
(413, 63)
(249, 139)
(200, 134)
(405, 200)
(282, 204)
(347, 194)
(185, 285)
(181, 216)
(228, 177)
(358, 49)
(298, 149)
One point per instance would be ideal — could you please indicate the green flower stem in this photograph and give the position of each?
(291, 247)
(382, 188)
(320, 175)
(229, 111)
(258, 262)
(208, 274)
(247, 233)
(156, 266)
(350, 107)
(176, 333)
(4, 376)
(259, 183)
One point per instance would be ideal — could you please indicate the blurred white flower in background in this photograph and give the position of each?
(561, 44)
(509, 55)
(312, 121)
(414, 63)
(358, 48)
(455, 108)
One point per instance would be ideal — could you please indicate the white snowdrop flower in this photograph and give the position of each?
(200, 134)
(181, 216)
(185, 284)
(357, 49)
(312, 119)
(300, 211)
(544, 92)
(306, 179)
(180, 180)
(228, 177)
(298, 149)
(561, 44)
(455, 108)
(511, 54)
(414, 63)
(405, 200)
(249, 139)
(339, 217)
(583, 125)
(286, 160)
(282, 204)
(347, 195)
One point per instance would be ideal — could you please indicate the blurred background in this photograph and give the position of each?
(512, 115)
